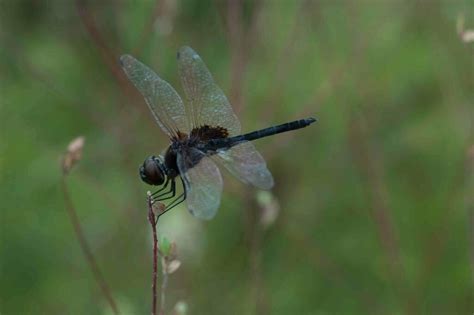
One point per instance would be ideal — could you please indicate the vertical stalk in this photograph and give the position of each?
(153, 223)
(94, 267)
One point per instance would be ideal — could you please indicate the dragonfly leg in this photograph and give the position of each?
(170, 206)
(167, 194)
(176, 201)
(162, 188)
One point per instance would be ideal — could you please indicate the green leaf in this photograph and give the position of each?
(165, 246)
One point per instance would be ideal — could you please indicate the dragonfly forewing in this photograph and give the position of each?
(206, 102)
(163, 101)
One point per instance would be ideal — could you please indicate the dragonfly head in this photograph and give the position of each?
(153, 171)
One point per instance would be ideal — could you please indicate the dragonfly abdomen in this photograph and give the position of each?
(216, 144)
(270, 131)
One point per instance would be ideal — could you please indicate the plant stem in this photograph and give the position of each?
(164, 284)
(85, 247)
(153, 223)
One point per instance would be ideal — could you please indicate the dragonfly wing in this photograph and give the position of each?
(245, 163)
(203, 183)
(206, 102)
(163, 101)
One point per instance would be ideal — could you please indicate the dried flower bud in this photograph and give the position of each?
(181, 308)
(171, 266)
(158, 208)
(73, 154)
(467, 36)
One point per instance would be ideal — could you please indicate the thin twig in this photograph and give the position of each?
(469, 198)
(255, 234)
(242, 40)
(370, 162)
(436, 247)
(164, 285)
(321, 261)
(15, 53)
(148, 28)
(85, 247)
(283, 64)
(153, 223)
(470, 209)
(235, 27)
(107, 54)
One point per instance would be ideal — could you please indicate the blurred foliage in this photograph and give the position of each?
(376, 199)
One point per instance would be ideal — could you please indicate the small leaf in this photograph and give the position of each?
(165, 246)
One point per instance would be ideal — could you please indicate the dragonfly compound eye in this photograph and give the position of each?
(152, 171)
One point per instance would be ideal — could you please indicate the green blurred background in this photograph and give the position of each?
(375, 200)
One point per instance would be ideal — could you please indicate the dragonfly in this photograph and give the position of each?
(202, 130)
